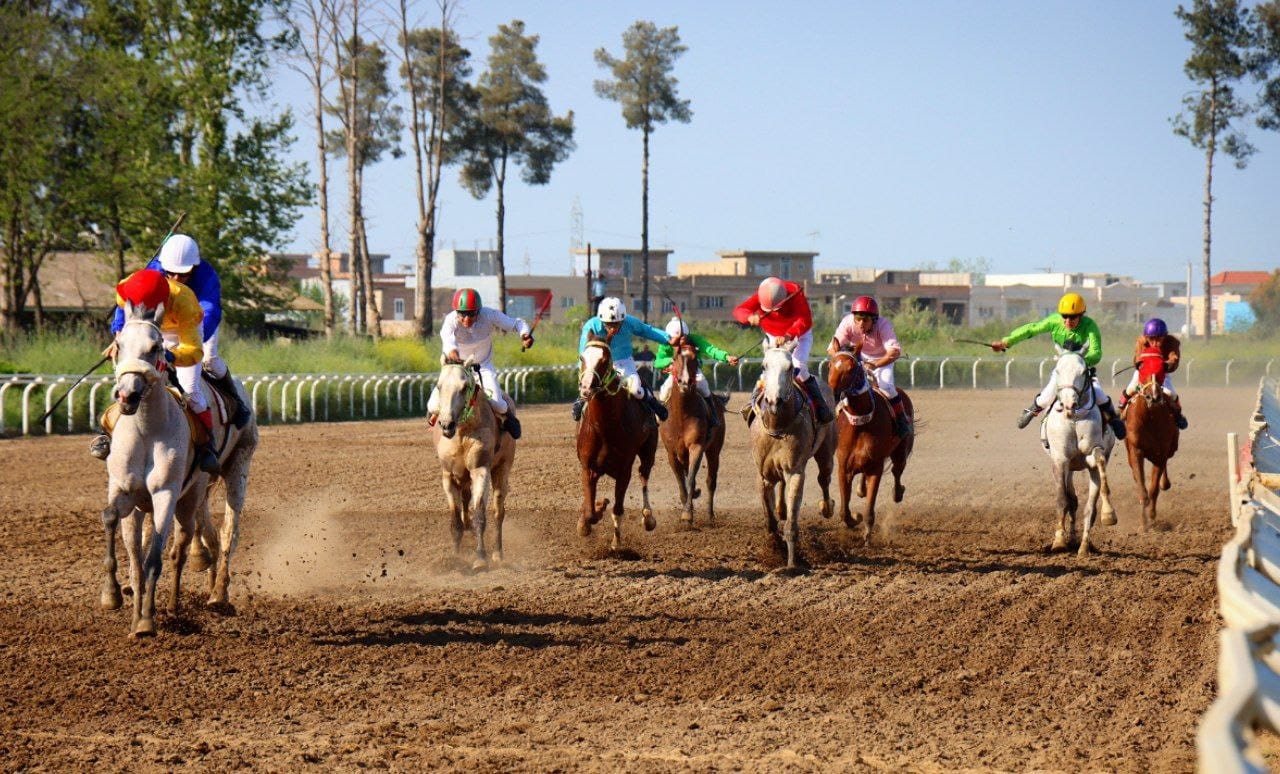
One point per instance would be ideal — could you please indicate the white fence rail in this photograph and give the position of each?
(1249, 599)
(329, 397)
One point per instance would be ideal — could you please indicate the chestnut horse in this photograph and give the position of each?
(867, 437)
(685, 436)
(1151, 436)
(615, 429)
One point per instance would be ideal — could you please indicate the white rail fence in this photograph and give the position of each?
(330, 397)
(1249, 599)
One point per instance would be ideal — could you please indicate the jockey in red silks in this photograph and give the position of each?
(1155, 356)
(864, 328)
(782, 311)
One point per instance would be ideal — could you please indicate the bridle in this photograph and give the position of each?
(150, 372)
(688, 375)
(471, 393)
(789, 398)
(608, 382)
(859, 385)
(1078, 389)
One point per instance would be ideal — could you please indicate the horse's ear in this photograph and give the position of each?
(591, 336)
(790, 346)
(129, 313)
(158, 314)
(444, 359)
(470, 361)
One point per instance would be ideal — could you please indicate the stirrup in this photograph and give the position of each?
(206, 460)
(1180, 420)
(1027, 416)
(578, 405)
(512, 426)
(100, 447)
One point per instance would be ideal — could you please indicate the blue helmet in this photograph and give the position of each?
(1155, 327)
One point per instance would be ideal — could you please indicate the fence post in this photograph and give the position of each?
(1043, 360)
(1228, 372)
(48, 404)
(914, 361)
(1187, 370)
(1008, 364)
(942, 374)
(975, 372)
(26, 404)
(1233, 474)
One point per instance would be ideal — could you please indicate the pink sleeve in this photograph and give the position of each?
(844, 332)
(888, 337)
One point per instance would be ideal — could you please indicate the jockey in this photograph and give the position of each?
(666, 353)
(1155, 342)
(782, 311)
(612, 324)
(865, 328)
(1072, 331)
(181, 329)
(467, 332)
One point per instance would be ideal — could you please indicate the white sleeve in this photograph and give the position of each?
(448, 336)
(506, 324)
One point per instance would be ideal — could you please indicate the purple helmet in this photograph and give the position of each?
(1155, 327)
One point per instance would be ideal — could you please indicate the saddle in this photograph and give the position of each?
(199, 435)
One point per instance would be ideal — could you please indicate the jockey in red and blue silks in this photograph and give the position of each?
(179, 259)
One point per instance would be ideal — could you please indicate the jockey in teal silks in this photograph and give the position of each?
(612, 324)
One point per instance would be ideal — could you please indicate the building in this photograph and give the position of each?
(1238, 282)
(393, 290)
(613, 263)
(1013, 297)
(789, 265)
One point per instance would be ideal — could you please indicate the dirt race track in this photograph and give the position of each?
(358, 642)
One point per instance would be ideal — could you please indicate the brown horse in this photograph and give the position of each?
(615, 429)
(867, 437)
(1152, 436)
(685, 436)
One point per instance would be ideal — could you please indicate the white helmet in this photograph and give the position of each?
(179, 254)
(611, 310)
(676, 327)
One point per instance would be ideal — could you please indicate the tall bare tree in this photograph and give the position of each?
(434, 68)
(644, 86)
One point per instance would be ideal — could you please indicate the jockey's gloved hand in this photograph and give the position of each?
(1073, 346)
(170, 358)
(526, 341)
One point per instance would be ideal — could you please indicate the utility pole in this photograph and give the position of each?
(1188, 299)
(588, 276)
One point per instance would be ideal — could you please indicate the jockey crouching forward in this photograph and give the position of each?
(181, 330)
(676, 329)
(865, 329)
(782, 311)
(467, 332)
(1156, 343)
(613, 325)
(1072, 331)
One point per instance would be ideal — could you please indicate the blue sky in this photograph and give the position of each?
(1030, 134)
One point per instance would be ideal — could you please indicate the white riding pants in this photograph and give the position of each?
(1050, 393)
(488, 382)
(884, 377)
(800, 357)
(189, 379)
(626, 369)
(703, 388)
(1167, 385)
(215, 365)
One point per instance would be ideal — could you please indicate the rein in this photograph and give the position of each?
(472, 393)
(610, 384)
(857, 420)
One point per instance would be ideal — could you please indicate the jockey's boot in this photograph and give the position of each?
(712, 420)
(432, 418)
(511, 425)
(578, 405)
(749, 411)
(1109, 414)
(1178, 418)
(1029, 413)
(206, 457)
(819, 402)
(1124, 400)
(900, 416)
(240, 416)
(101, 446)
(655, 405)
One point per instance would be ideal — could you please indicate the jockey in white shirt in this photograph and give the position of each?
(467, 332)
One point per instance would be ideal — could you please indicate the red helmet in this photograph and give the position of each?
(771, 293)
(147, 287)
(865, 305)
(466, 300)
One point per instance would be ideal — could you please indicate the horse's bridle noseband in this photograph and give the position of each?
(846, 395)
(150, 372)
(600, 383)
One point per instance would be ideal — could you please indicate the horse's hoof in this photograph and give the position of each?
(898, 492)
(479, 565)
(650, 523)
(1057, 547)
(1086, 548)
(827, 509)
(792, 571)
(145, 627)
(198, 559)
(1107, 519)
(111, 599)
(696, 494)
(851, 521)
(584, 528)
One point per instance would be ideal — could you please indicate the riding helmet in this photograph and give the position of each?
(179, 255)
(865, 305)
(1155, 327)
(676, 327)
(466, 300)
(147, 287)
(771, 293)
(1071, 303)
(611, 310)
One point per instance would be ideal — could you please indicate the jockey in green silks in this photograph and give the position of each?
(666, 353)
(1072, 331)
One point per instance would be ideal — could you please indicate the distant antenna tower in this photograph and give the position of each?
(527, 265)
(575, 233)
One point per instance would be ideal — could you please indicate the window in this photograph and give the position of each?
(710, 302)
(786, 268)
(761, 268)
(399, 307)
(566, 302)
(626, 265)
(667, 306)
(986, 311)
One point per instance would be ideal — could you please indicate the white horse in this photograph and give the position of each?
(1078, 439)
(151, 470)
(475, 458)
(784, 437)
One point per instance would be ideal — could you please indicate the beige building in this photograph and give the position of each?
(789, 265)
(1024, 296)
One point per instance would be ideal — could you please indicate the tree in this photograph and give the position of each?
(1265, 301)
(1221, 36)
(512, 125)
(1266, 63)
(434, 69)
(644, 86)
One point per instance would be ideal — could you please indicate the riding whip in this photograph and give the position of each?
(971, 341)
(537, 319)
(181, 217)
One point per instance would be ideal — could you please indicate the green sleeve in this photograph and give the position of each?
(665, 354)
(1024, 332)
(708, 349)
(1092, 342)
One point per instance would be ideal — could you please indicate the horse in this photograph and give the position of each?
(151, 469)
(867, 436)
(475, 457)
(1077, 439)
(614, 431)
(1152, 436)
(784, 437)
(685, 435)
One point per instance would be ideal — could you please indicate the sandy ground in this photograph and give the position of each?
(357, 641)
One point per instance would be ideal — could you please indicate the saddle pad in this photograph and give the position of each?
(198, 434)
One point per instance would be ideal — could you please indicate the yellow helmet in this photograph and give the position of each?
(1071, 303)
